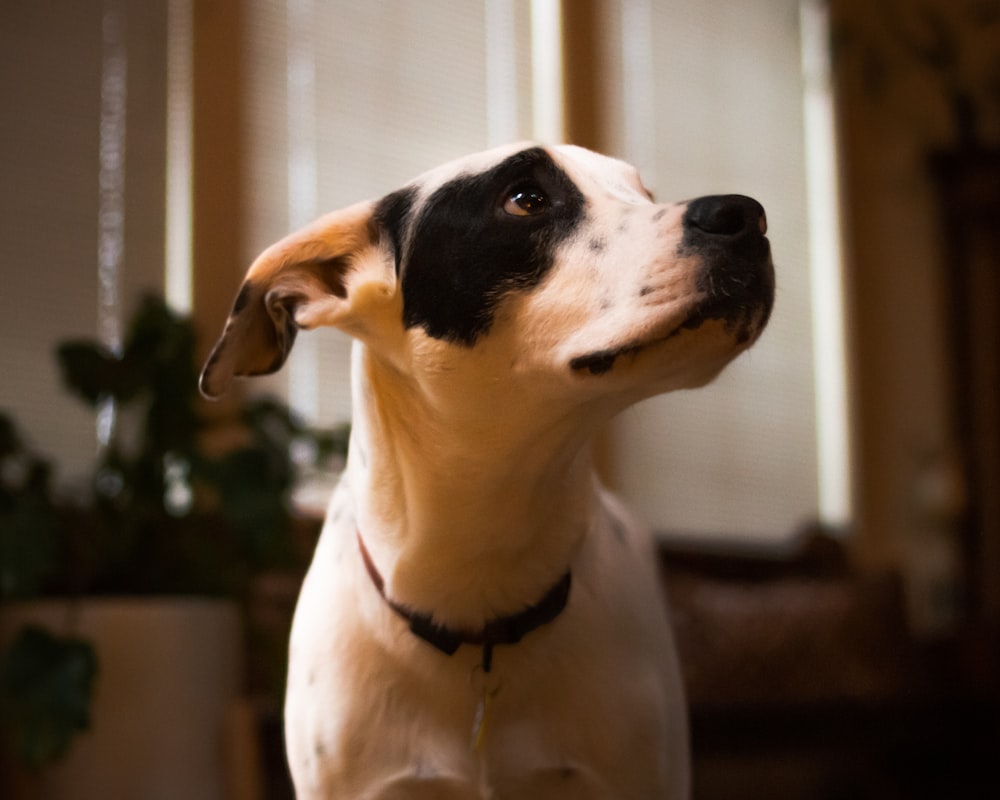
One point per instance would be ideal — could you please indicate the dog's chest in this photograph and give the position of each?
(558, 783)
(375, 712)
(408, 738)
(415, 747)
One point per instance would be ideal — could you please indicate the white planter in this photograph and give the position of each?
(168, 687)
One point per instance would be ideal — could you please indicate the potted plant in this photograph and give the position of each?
(46, 680)
(172, 529)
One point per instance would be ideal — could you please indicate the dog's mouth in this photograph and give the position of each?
(743, 324)
(601, 362)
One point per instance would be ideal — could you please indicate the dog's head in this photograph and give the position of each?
(552, 264)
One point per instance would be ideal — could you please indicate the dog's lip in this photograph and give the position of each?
(600, 362)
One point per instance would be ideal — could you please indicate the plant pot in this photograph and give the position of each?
(166, 704)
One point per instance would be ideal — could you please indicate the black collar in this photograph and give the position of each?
(500, 630)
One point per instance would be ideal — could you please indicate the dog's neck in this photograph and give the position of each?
(469, 513)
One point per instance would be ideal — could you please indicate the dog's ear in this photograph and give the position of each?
(300, 282)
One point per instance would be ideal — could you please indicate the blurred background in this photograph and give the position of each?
(828, 510)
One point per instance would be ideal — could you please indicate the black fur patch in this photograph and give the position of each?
(466, 252)
(391, 216)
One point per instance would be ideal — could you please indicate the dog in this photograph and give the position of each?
(481, 619)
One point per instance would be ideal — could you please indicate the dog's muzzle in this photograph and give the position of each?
(724, 237)
(736, 278)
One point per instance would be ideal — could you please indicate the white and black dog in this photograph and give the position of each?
(481, 619)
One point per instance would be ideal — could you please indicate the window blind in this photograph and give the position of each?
(707, 98)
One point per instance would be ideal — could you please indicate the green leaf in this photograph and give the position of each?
(46, 688)
(252, 486)
(90, 370)
(10, 442)
(28, 522)
(28, 535)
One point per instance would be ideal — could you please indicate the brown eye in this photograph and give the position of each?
(526, 202)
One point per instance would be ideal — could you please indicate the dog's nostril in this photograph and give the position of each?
(726, 215)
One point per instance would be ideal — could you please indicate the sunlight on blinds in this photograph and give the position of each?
(177, 280)
(547, 66)
(502, 92)
(111, 195)
(304, 391)
(833, 434)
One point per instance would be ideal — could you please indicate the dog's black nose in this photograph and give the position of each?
(735, 274)
(729, 215)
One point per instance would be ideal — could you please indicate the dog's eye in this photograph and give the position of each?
(526, 202)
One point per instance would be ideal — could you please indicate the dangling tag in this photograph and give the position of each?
(480, 720)
(487, 656)
(486, 687)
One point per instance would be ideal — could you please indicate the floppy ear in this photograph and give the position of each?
(300, 282)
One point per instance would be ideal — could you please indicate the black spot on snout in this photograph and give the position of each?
(464, 253)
